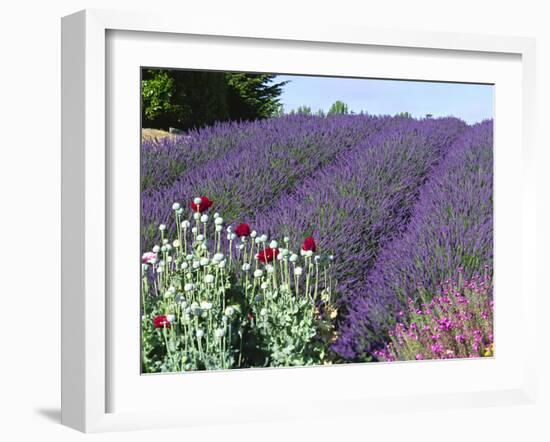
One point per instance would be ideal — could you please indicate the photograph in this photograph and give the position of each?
(307, 220)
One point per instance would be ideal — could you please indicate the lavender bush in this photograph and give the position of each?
(260, 168)
(364, 198)
(451, 228)
(164, 160)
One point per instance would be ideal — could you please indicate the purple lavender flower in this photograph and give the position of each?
(450, 234)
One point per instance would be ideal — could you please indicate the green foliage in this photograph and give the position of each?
(182, 99)
(187, 99)
(157, 96)
(280, 111)
(252, 96)
(338, 107)
(404, 114)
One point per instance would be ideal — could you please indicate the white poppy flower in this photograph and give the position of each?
(209, 279)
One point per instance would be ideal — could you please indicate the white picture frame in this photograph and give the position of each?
(86, 356)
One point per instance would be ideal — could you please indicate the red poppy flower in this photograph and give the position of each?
(242, 230)
(250, 317)
(309, 244)
(204, 205)
(161, 321)
(268, 255)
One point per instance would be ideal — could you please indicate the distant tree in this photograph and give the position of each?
(338, 107)
(429, 115)
(404, 114)
(321, 113)
(306, 110)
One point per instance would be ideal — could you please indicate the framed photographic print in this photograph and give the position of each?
(283, 211)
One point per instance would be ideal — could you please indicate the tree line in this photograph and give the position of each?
(185, 99)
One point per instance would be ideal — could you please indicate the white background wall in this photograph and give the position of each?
(30, 219)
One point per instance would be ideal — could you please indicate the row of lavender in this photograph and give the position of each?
(266, 160)
(363, 199)
(449, 237)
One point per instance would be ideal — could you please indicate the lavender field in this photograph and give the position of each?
(306, 240)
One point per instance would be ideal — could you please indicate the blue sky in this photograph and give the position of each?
(470, 102)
